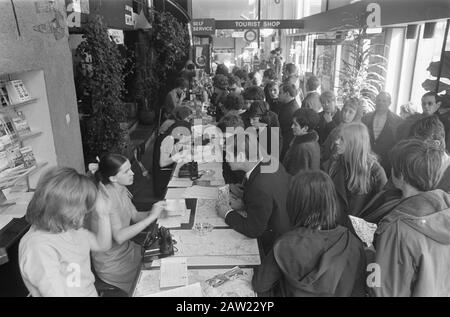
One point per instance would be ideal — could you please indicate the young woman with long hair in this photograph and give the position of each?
(354, 169)
(318, 257)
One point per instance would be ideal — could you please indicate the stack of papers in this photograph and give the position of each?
(173, 272)
(177, 213)
(175, 207)
(180, 182)
(175, 193)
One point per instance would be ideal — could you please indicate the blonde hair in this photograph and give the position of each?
(61, 200)
(358, 157)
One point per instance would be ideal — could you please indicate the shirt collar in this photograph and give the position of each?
(247, 175)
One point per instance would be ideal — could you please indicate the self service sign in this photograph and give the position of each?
(203, 26)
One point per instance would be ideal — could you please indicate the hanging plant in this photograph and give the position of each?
(102, 86)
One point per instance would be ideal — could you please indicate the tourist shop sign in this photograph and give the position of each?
(259, 24)
(209, 26)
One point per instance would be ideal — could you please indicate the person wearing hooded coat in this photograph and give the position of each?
(413, 241)
(318, 257)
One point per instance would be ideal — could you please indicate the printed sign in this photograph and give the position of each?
(116, 35)
(129, 15)
(259, 24)
(203, 26)
(250, 36)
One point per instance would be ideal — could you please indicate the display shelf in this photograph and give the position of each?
(13, 106)
(16, 174)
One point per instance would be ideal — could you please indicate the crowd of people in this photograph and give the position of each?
(332, 163)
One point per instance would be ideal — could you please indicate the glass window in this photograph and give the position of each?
(225, 10)
(428, 50)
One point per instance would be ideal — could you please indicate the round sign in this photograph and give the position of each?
(201, 61)
(250, 35)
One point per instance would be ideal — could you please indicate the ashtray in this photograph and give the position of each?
(202, 228)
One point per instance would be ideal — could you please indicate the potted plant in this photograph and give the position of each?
(363, 70)
(362, 75)
(101, 82)
(160, 54)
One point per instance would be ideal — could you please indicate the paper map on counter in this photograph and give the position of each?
(201, 192)
(217, 242)
(175, 193)
(175, 221)
(181, 183)
(206, 213)
(193, 290)
(173, 272)
(365, 230)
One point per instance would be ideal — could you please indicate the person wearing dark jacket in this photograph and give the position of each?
(234, 178)
(262, 211)
(304, 150)
(330, 117)
(318, 257)
(265, 121)
(413, 241)
(312, 98)
(382, 125)
(219, 94)
(286, 113)
(431, 105)
(272, 91)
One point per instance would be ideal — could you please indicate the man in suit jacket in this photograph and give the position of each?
(382, 125)
(262, 211)
(288, 105)
(312, 98)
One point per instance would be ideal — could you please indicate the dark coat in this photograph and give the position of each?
(324, 128)
(265, 197)
(309, 262)
(404, 128)
(312, 101)
(304, 153)
(387, 138)
(352, 203)
(285, 118)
